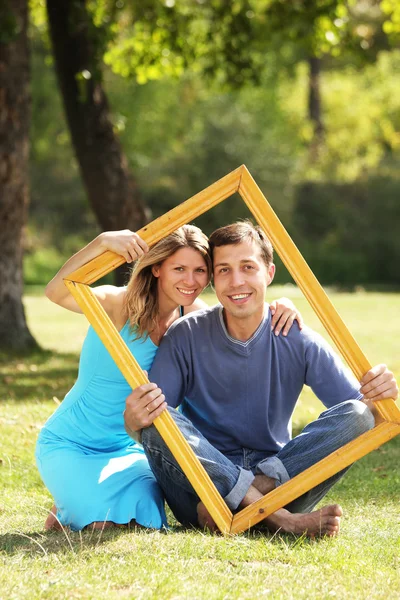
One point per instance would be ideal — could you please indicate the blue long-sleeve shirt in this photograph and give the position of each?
(242, 394)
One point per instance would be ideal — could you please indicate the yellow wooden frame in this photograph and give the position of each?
(387, 412)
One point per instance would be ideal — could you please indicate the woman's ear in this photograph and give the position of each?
(155, 269)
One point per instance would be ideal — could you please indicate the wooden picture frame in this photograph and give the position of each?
(387, 412)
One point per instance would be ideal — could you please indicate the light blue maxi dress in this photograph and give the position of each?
(92, 468)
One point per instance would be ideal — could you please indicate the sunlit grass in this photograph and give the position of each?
(363, 563)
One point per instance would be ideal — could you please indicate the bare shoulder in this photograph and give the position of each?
(198, 304)
(112, 300)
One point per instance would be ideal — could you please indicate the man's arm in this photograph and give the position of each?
(148, 401)
(333, 383)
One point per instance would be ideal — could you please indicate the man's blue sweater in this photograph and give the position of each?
(242, 394)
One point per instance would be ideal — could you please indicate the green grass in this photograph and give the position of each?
(362, 563)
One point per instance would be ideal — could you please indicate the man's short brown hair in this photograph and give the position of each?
(243, 231)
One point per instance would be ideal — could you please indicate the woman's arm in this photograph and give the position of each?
(126, 243)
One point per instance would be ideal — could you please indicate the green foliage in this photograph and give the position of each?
(349, 233)
(181, 135)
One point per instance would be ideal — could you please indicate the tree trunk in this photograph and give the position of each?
(314, 101)
(14, 186)
(111, 189)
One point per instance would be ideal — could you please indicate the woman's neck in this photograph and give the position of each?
(167, 314)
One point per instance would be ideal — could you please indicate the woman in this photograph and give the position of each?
(97, 475)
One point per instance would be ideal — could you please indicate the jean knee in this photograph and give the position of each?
(360, 417)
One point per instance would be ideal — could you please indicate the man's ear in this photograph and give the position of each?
(271, 273)
(155, 269)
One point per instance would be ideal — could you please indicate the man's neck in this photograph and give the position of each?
(242, 329)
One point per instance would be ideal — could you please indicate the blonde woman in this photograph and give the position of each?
(97, 475)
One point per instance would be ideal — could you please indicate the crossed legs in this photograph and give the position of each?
(240, 487)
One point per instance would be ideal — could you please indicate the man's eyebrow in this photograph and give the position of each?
(221, 264)
(226, 264)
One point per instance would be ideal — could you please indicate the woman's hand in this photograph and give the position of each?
(283, 313)
(126, 243)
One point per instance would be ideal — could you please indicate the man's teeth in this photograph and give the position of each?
(240, 296)
(186, 292)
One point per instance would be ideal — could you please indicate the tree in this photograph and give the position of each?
(14, 154)
(111, 189)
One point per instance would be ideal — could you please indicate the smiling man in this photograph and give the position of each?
(237, 385)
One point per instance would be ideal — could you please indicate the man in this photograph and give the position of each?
(237, 385)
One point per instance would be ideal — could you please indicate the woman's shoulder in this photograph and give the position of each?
(112, 299)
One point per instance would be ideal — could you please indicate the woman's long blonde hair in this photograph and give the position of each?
(141, 299)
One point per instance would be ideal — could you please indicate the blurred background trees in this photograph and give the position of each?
(163, 98)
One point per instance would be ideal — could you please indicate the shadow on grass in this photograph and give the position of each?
(39, 375)
(55, 542)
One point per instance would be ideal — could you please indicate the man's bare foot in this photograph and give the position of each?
(325, 521)
(205, 519)
(52, 522)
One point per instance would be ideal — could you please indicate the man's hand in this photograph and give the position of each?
(143, 405)
(379, 383)
(284, 313)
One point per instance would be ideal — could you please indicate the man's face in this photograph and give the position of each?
(241, 278)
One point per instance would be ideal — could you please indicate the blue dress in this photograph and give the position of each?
(92, 468)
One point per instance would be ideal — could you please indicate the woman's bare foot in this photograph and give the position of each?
(52, 522)
(205, 519)
(325, 521)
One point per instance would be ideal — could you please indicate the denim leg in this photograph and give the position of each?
(333, 429)
(231, 480)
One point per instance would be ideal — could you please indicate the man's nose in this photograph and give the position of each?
(237, 278)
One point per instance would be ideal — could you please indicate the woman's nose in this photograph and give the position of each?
(189, 278)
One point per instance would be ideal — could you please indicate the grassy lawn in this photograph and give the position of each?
(362, 563)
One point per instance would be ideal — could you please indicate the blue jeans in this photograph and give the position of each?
(233, 473)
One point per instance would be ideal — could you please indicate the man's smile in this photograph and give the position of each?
(240, 298)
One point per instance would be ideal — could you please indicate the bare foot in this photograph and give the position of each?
(52, 521)
(325, 521)
(205, 519)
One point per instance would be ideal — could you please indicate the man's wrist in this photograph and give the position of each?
(135, 435)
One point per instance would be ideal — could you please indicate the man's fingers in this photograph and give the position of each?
(157, 412)
(141, 391)
(374, 372)
(154, 404)
(379, 383)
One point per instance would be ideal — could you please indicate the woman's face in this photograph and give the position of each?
(181, 278)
